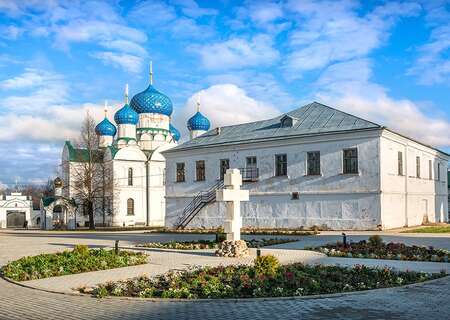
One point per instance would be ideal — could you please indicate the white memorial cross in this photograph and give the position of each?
(232, 195)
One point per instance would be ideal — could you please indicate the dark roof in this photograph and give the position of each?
(313, 118)
(47, 200)
(82, 155)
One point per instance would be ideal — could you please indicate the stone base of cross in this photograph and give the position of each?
(232, 195)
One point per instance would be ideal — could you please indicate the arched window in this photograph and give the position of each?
(130, 207)
(130, 176)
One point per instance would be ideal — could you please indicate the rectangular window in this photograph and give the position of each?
(430, 170)
(418, 167)
(400, 163)
(281, 165)
(350, 161)
(200, 170)
(130, 176)
(313, 163)
(181, 177)
(439, 171)
(250, 162)
(130, 207)
(224, 166)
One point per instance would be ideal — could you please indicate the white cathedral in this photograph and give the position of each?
(131, 149)
(312, 166)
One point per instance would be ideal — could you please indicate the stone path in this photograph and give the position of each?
(422, 301)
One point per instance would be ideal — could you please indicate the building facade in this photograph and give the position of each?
(130, 162)
(15, 209)
(314, 166)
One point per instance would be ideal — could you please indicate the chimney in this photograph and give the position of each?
(217, 131)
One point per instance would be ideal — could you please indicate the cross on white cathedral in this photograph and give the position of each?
(232, 195)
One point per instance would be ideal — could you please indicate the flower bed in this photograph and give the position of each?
(375, 248)
(265, 279)
(80, 259)
(210, 244)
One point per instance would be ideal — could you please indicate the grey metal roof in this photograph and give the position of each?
(313, 118)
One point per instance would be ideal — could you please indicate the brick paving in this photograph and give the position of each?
(423, 301)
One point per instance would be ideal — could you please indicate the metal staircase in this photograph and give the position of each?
(201, 200)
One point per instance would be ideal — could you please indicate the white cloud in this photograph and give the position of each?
(30, 78)
(432, 65)
(128, 62)
(333, 31)
(263, 12)
(225, 104)
(10, 32)
(94, 22)
(192, 9)
(358, 95)
(43, 111)
(238, 53)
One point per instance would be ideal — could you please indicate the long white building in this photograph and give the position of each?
(313, 166)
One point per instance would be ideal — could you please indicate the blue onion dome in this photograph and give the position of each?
(175, 133)
(152, 101)
(105, 128)
(126, 115)
(198, 122)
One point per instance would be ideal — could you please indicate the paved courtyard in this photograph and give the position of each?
(429, 300)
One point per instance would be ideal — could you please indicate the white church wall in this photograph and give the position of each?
(126, 158)
(333, 199)
(408, 200)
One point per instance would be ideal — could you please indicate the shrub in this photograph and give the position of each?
(266, 265)
(81, 249)
(375, 241)
(80, 259)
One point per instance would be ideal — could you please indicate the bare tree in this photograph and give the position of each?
(91, 179)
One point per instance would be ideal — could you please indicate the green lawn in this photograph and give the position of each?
(431, 229)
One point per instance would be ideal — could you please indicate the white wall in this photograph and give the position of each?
(333, 199)
(406, 199)
(14, 202)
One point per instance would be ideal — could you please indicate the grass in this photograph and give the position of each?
(80, 259)
(430, 229)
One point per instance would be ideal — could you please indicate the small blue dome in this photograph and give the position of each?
(175, 133)
(126, 115)
(198, 122)
(105, 128)
(152, 101)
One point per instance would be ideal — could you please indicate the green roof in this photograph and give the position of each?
(47, 200)
(82, 155)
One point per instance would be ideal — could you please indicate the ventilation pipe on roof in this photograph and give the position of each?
(218, 129)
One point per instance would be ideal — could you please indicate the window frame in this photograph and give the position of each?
(200, 173)
(180, 173)
(281, 167)
(400, 163)
(128, 207)
(345, 159)
(316, 166)
(430, 169)
(418, 167)
(439, 171)
(130, 177)
(222, 167)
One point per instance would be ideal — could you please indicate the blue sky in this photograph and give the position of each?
(247, 60)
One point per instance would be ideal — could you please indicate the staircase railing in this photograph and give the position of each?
(201, 199)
